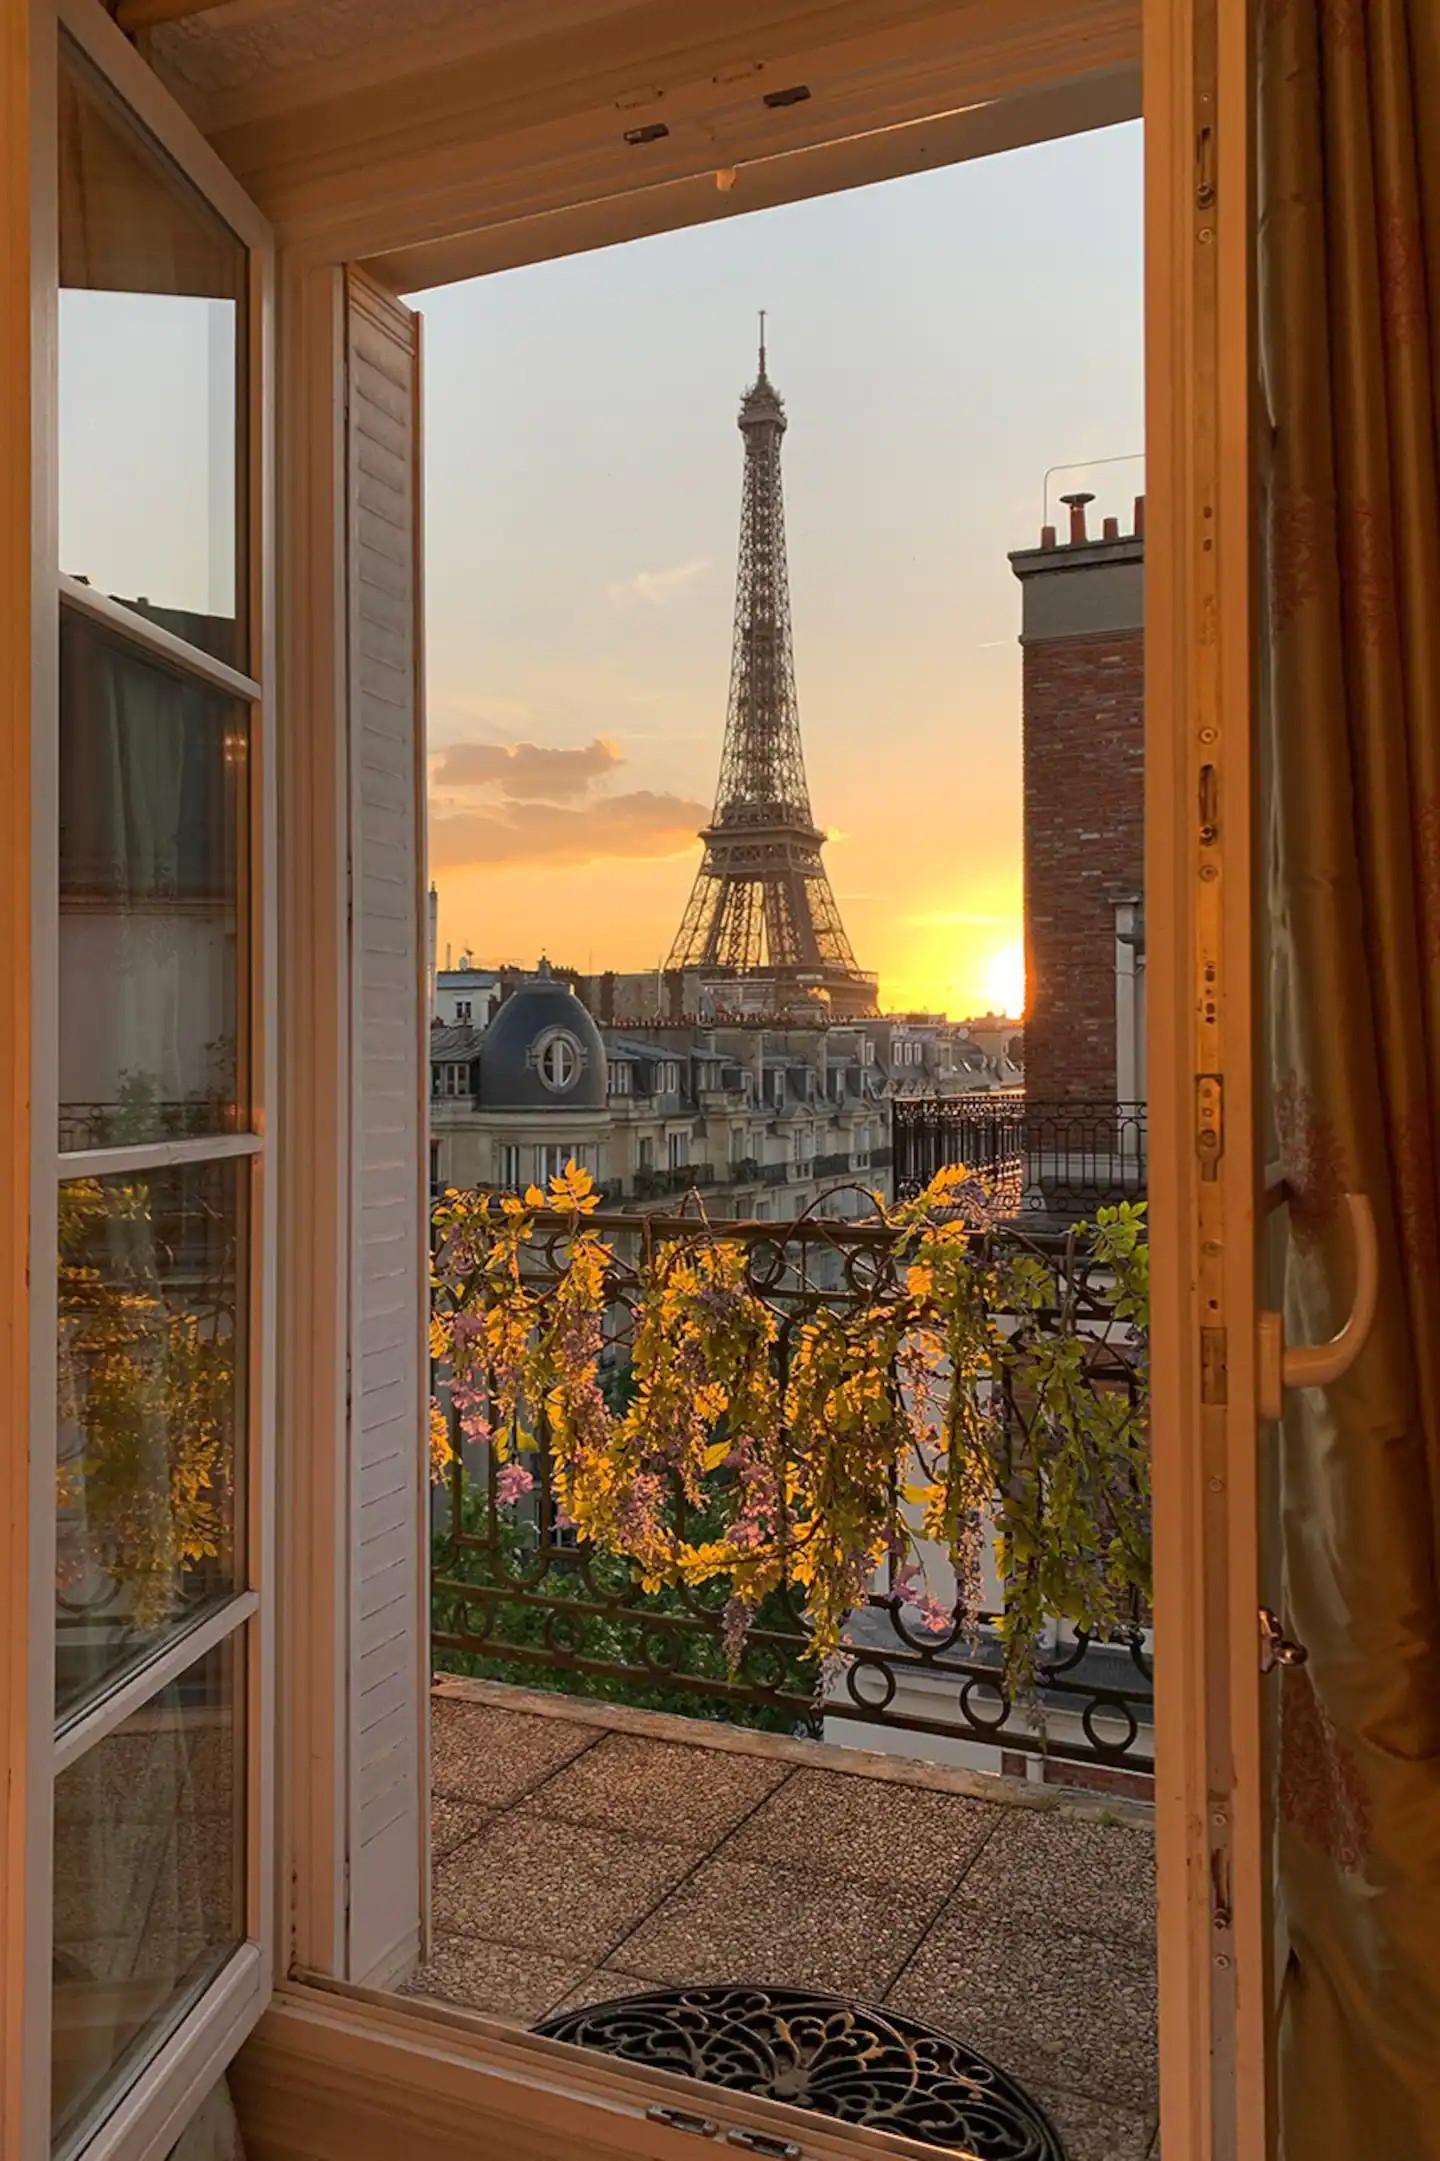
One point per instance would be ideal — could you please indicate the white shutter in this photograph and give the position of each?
(387, 1666)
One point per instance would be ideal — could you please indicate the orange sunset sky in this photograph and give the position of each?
(940, 342)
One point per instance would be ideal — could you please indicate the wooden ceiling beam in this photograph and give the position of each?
(602, 220)
(553, 121)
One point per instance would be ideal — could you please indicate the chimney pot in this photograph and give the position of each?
(1139, 517)
(1075, 504)
(1111, 529)
(1047, 536)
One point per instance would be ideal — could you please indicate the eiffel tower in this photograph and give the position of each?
(762, 905)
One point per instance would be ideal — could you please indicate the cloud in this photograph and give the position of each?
(642, 825)
(527, 772)
(653, 588)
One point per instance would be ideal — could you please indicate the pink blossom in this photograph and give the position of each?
(939, 1619)
(906, 1581)
(512, 1483)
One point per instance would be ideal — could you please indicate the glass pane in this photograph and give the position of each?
(149, 1883)
(153, 769)
(151, 1394)
(152, 317)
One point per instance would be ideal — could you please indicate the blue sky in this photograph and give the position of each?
(939, 341)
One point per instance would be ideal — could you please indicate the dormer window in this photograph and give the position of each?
(560, 1059)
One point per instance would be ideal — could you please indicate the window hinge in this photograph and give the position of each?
(761, 2142)
(1214, 1378)
(1220, 1913)
(1205, 169)
(681, 2119)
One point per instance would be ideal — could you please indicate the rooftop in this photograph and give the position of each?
(587, 1850)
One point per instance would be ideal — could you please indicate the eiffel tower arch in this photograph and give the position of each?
(762, 907)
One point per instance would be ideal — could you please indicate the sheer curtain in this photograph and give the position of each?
(1350, 305)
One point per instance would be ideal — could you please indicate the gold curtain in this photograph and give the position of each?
(1350, 326)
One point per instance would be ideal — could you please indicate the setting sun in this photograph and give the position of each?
(1005, 981)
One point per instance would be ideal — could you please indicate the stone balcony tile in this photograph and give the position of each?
(1050, 1871)
(743, 1921)
(1094, 2131)
(839, 1824)
(495, 1977)
(566, 1890)
(492, 1757)
(452, 1823)
(1052, 2007)
(683, 1796)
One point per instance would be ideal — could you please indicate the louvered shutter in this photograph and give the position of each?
(387, 1376)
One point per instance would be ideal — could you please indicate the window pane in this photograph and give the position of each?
(151, 1389)
(151, 376)
(153, 768)
(149, 1883)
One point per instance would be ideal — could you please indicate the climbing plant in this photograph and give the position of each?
(943, 1401)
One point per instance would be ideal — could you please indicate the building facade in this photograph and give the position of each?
(762, 1119)
(1083, 636)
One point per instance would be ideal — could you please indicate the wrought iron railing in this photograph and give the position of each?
(669, 1178)
(1060, 1160)
(517, 1597)
(139, 1116)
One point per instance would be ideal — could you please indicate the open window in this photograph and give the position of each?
(214, 1041)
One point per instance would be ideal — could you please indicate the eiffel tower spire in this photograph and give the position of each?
(762, 903)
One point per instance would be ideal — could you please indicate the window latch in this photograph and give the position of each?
(1276, 1648)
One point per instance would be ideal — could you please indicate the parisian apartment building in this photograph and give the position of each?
(762, 1116)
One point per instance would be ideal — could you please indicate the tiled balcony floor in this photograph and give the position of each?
(585, 1851)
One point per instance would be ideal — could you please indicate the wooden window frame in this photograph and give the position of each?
(151, 2108)
(1214, 2096)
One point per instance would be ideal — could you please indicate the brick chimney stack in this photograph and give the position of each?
(1083, 670)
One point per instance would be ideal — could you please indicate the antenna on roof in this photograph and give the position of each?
(762, 341)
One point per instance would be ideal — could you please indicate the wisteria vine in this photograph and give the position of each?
(944, 1407)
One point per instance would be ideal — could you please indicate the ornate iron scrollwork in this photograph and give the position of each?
(842, 2059)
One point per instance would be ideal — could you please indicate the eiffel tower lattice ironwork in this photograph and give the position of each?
(762, 904)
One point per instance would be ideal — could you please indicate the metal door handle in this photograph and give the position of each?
(1314, 1365)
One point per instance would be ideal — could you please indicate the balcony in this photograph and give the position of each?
(656, 1184)
(626, 1798)
(1055, 1161)
(587, 1850)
